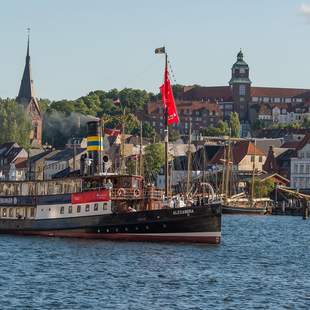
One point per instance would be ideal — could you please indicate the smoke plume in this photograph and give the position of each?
(58, 127)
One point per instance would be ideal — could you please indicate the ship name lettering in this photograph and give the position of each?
(182, 212)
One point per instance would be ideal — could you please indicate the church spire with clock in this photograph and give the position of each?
(26, 97)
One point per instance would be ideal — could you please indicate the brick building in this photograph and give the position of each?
(199, 114)
(279, 104)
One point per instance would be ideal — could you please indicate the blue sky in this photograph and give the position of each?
(78, 46)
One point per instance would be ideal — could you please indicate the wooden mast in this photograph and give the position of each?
(141, 151)
(122, 166)
(253, 177)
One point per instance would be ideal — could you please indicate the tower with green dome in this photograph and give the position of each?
(241, 87)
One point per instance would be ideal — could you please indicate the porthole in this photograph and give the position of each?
(116, 229)
(126, 229)
(137, 228)
(147, 227)
(107, 230)
(164, 226)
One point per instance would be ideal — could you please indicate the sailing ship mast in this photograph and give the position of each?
(140, 151)
(253, 177)
(122, 166)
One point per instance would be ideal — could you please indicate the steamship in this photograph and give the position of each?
(104, 206)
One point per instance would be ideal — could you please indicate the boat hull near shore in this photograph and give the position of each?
(244, 210)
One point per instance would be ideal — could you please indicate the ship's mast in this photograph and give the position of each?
(122, 166)
(228, 161)
(189, 161)
(140, 151)
(253, 177)
(166, 141)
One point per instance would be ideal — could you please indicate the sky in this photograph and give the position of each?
(78, 46)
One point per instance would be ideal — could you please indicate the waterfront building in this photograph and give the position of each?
(198, 114)
(26, 97)
(244, 155)
(300, 165)
(11, 158)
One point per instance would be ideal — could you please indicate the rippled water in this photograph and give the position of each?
(262, 263)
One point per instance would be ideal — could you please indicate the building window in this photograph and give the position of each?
(70, 209)
(62, 210)
(296, 168)
(86, 208)
(307, 169)
(11, 212)
(260, 159)
(301, 169)
(105, 206)
(78, 209)
(242, 90)
(4, 212)
(96, 207)
(32, 212)
(252, 158)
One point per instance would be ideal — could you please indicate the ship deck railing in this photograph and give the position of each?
(133, 194)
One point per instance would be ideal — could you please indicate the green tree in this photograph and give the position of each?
(174, 135)
(15, 125)
(222, 129)
(234, 124)
(262, 189)
(153, 159)
(306, 123)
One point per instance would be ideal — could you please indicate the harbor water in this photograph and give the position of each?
(263, 262)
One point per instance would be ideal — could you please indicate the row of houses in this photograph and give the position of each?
(287, 159)
(286, 162)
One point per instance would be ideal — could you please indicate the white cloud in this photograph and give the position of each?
(305, 9)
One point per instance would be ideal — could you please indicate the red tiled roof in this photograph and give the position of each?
(277, 92)
(20, 163)
(239, 150)
(211, 92)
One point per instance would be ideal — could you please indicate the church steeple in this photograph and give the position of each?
(26, 90)
(26, 97)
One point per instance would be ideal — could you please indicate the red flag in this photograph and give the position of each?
(168, 100)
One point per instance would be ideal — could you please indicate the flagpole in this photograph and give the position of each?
(166, 140)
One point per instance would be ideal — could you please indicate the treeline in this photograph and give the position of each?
(15, 125)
